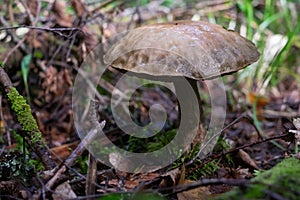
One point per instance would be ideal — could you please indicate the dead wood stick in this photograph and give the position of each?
(91, 176)
(204, 182)
(75, 154)
(32, 133)
(213, 157)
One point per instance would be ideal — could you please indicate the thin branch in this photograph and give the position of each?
(204, 182)
(57, 31)
(91, 176)
(215, 156)
(27, 10)
(38, 10)
(13, 50)
(181, 188)
(216, 135)
(13, 35)
(75, 154)
(103, 4)
(38, 147)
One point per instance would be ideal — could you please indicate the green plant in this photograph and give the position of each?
(262, 24)
(82, 163)
(16, 165)
(25, 65)
(281, 181)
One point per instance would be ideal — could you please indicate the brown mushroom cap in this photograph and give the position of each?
(198, 50)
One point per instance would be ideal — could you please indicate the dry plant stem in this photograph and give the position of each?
(38, 147)
(185, 187)
(103, 4)
(213, 157)
(13, 50)
(90, 186)
(57, 31)
(3, 129)
(13, 35)
(75, 154)
(27, 10)
(244, 115)
(90, 83)
(10, 12)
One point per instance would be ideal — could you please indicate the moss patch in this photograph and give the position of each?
(283, 181)
(24, 115)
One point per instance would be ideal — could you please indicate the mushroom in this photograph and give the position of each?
(195, 50)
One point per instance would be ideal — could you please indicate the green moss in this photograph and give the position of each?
(24, 115)
(282, 180)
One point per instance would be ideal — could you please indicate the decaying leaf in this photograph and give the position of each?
(171, 178)
(55, 83)
(247, 159)
(79, 7)
(64, 191)
(59, 11)
(200, 193)
(296, 122)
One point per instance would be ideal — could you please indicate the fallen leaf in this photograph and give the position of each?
(247, 159)
(79, 7)
(59, 11)
(64, 191)
(200, 193)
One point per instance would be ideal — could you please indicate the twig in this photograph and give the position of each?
(136, 11)
(38, 10)
(27, 10)
(185, 187)
(103, 4)
(75, 154)
(3, 128)
(204, 182)
(13, 35)
(90, 83)
(272, 195)
(245, 115)
(91, 176)
(213, 157)
(39, 147)
(57, 31)
(13, 50)
(216, 135)
(71, 45)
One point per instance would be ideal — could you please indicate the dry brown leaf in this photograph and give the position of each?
(59, 10)
(64, 191)
(32, 6)
(296, 122)
(242, 173)
(31, 38)
(137, 180)
(79, 7)
(89, 39)
(57, 136)
(55, 83)
(247, 159)
(63, 151)
(170, 178)
(200, 193)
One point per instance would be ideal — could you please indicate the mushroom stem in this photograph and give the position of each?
(181, 91)
(201, 132)
(194, 85)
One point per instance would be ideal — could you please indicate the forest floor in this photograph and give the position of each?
(43, 44)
